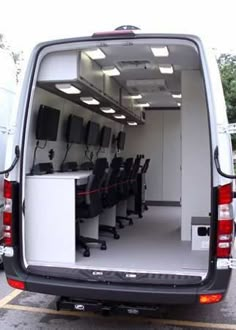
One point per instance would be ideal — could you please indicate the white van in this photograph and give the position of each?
(7, 96)
(89, 107)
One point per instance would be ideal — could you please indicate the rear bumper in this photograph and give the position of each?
(118, 293)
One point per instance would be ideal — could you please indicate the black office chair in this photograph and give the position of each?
(109, 195)
(143, 173)
(124, 188)
(89, 203)
(133, 184)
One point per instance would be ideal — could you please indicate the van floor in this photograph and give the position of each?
(152, 244)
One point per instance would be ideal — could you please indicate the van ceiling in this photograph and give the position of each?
(137, 62)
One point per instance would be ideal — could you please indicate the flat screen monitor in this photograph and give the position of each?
(47, 123)
(121, 140)
(74, 129)
(105, 137)
(92, 133)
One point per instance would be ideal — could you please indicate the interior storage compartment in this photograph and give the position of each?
(127, 103)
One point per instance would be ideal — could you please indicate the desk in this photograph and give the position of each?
(50, 212)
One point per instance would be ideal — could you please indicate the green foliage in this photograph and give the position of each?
(227, 65)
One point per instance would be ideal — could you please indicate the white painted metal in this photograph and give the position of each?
(196, 182)
(159, 140)
(213, 89)
(7, 97)
(171, 156)
(50, 220)
(59, 66)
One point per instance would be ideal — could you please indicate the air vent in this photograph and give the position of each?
(147, 86)
(134, 65)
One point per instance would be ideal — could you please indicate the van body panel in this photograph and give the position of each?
(7, 98)
(216, 280)
(118, 293)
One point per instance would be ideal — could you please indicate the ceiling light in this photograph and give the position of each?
(68, 89)
(177, 96)
(132, 123)
(119, 116)
(160, 51)
(179, 104)
(89, 100)
(166, 69)
(107, 110)
(136, 97)
(142, 105)
(95, 54)
(111, 71)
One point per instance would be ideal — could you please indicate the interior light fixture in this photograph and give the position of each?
(119, 116)
(111, 71)
(142, 105)
(68, 89)
(132, 123)
(177, 96)
(136, 97)
(166, 69)
(179, 104)
(107, 110)
(160, 51)
(90, 100)
(95, 54)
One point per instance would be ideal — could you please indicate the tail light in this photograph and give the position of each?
(225, 227)
(210, 298)
(7, 214)
(16, 284)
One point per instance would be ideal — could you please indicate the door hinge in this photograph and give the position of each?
(226, 263)
(6, 251)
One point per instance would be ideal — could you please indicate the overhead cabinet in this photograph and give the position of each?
(76, 68)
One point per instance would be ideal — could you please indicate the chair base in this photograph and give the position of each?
(109, 229)
(83, 241)
(119, 218)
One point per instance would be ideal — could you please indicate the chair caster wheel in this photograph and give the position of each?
(116, 236)
(86, 253)
(121, 226)
(131, 222)
(103, 246)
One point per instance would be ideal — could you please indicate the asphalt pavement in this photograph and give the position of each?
(25, 310)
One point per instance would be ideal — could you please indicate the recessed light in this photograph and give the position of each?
(136, 97)
(111, 71)
(132, 123)
(119, 116)
(166, 69)
(177, 96)
(160, 51)
(68, 89)
(95, 54)
(107, 110)
(142, 105)
(89, 100)
(179, 104)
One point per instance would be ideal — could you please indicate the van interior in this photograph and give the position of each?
(116, 168)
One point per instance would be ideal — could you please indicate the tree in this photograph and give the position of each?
(227, 65)
(17, 56)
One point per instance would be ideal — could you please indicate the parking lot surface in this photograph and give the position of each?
(26, 310)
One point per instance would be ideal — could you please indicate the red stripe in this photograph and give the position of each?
(82, 193)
